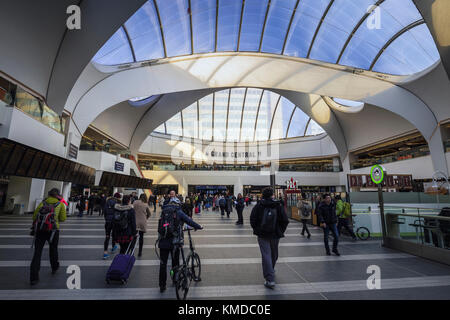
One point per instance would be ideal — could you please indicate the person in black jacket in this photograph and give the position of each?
(326, 213)
(268, 239)
(229, 204)
(240, 204)
(125, 236)
(109, 214)
(166, 245)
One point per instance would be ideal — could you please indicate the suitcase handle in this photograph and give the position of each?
(135, 240)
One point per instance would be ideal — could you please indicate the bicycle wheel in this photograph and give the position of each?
(363, 233)
(194, 265)
(181, 284)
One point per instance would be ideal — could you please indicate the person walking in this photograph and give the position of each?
(46, 219)
(222, 205)
(305, 210)
(82, 204)
(152, 200)
(269, 222)
(91, 203)
(142, 214)
(229, 205)
(343, 212)
(240, 205)
(124, 236)
(166, 243)
(326, 213)
(187, 207)
(109, 217)
(102, 205)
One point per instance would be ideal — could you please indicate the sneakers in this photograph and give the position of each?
(309, 236)
(34, 282)
(55, 270)
(162, 289)
(113, 250)
(336, 252)
(105, 256)
(269, 284)
(328, 253)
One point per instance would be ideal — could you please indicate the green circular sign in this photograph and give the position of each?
(377, 174)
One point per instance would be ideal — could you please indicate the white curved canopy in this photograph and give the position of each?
(387, 36)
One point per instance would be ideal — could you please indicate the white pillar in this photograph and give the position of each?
(238, 187)
(437, 152)
(37, 189)
(66, 190)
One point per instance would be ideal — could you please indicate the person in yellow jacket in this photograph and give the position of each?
(343, 213)
(46, 219)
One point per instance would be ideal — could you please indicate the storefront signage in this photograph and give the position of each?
(119, 166)
(73, 151)
(292, 184)
(236, 155)
(390, 181)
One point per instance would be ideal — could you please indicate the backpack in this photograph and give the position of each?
(46, 220)
(269, 220)
(346, 210)
(120, 220)
(167, 223)
(306, 212)
(222, 202)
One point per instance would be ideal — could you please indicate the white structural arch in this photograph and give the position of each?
(287, 76)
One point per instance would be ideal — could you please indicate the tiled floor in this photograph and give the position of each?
(231, 266)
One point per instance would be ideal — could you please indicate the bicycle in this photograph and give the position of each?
(189, 270)
(362, 233)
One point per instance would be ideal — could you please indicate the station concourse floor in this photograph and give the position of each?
(231, 265)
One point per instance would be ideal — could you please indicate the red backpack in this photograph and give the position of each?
(46, 220)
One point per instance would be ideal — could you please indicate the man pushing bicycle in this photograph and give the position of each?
(170, 233)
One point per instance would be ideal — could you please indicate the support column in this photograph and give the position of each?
(437, 152)
(37, 189)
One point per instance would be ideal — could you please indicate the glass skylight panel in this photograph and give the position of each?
(404, 11)
(145, 33)
(298, 124)
(252, 24)
(404, 56)
(176, 26)
(368, 41)
(203, 25)
(190, 122)
(268, 104)
(250, 109)
(280, 14)
(115, 51)
(235, 113)
(173, 125)
(313, 129)
(228, 24)
(220, 114)
(281, 119)
(337, 26)
(424, 38)
(348, 103)
(161, 129)
(205, 117)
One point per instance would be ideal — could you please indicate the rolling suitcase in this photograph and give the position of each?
(122, 264)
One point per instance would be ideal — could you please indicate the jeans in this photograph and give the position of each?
(344, 223)
(108, 231)
(326, 232)
(90, 209)
(141, 242)
(222, 211)
(41, 238)
(164, 256)
(269, 255)
(154, 206)
(305, 227)
(239, 213)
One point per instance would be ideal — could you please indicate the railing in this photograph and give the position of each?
(421, 226)
(397, 156)
(294, 168)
